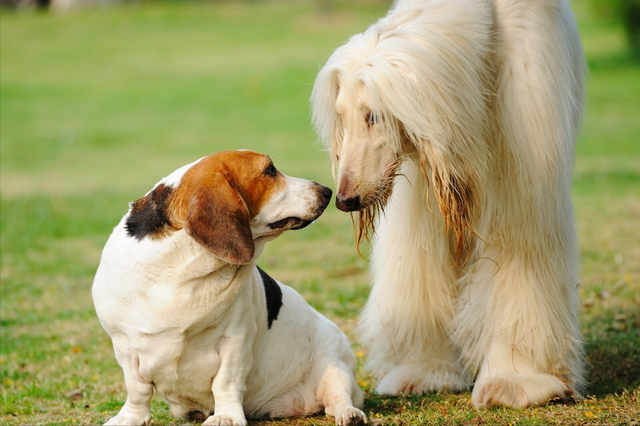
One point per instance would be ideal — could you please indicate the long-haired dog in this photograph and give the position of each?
(451, 126)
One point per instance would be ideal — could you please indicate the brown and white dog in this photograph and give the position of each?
(193, 317)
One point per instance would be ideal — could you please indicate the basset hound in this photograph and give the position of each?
(192, 317)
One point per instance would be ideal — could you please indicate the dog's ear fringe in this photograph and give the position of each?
(446, 122)
(323, 99)
(458, 199)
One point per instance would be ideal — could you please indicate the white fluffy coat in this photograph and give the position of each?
(458, 118)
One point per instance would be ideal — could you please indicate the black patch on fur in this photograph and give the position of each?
(148, 215)
(273, 294)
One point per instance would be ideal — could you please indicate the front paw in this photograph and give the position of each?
(519, 390)
(411, 379)
(351, 416)
(127, 417)
(226, 417)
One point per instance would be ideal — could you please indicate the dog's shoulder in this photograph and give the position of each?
(273, 296)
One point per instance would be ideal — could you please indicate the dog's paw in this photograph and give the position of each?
(519, 390)
(226, 419)
(351, 416)
(416, 380)
(129, 418)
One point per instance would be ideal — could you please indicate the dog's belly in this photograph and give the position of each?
(289, 360)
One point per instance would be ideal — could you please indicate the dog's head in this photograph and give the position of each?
(225, 202)
(410, 87)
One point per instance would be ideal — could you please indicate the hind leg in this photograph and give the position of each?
(519, 320)
(341, 395)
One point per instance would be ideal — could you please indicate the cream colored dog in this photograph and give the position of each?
(475, 104)
(192, 317)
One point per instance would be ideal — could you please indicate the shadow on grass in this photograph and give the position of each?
(613, 353)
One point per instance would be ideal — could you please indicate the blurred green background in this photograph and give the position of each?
(97, 104)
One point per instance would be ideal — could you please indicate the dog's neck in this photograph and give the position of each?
(215, 282)
(175, 259)
(190, 261)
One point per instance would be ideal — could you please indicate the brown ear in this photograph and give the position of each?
(218, 219)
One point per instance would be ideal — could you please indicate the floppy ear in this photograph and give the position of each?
(458, 199)
(218, 219)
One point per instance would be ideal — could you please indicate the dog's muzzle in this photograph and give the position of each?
(348, 204)
(294, 223)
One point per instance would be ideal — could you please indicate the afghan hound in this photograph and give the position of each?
(451, 126)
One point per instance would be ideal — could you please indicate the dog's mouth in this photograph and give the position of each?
(291, 223)
(375, 199)
(294, 223)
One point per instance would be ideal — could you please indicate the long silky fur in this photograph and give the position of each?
(385, 60)
(488, 93)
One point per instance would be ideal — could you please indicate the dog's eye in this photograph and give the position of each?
(270, 170)
(371, 119)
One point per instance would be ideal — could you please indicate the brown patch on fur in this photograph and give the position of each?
(218, 197)
(219, 220)
(243, 170)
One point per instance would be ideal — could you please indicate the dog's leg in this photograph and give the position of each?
(407, 315)
(518, 320)
(338, 390)
(137, 408)
(518, 323)
(236, 360)
(507, 378)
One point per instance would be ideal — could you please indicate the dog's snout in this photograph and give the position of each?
(348, 204)
(346, 200)
(326, 193)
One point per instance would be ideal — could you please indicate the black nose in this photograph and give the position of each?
(326, 193)
(348, 204)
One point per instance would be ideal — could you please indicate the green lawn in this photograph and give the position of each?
(96, 106)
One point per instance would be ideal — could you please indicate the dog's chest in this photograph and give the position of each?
(171, 330)
(135, 300)
(182, 370)
(177, 348)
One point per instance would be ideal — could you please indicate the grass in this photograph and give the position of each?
(96, 106)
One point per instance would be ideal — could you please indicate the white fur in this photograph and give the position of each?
(487, 93)
(195, 328)
(173, 180)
